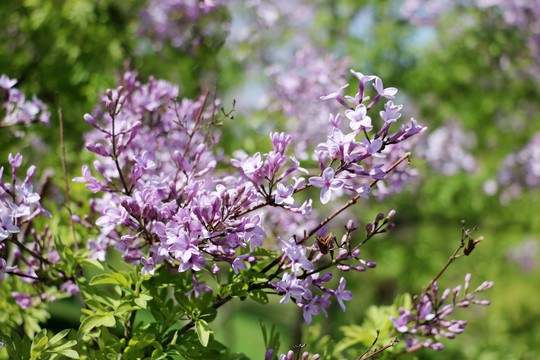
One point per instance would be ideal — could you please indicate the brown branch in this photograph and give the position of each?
(64, 170)
(352, 201)
(465, 234)
(393, 342)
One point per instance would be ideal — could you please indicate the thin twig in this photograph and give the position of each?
(352, 201)
(392, 343)
(450, 260)
(64, 170)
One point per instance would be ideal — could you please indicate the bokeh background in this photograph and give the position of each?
(467, 69)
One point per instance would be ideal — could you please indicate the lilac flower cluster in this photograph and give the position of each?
(427, 322)
(520, 170)
(290, 355)
(259, 21)
(295, 91)
(177, 22)
(446, 149)
(380, 152)
(15, 109)
(19, 204)
(29, 254)
(163, 206)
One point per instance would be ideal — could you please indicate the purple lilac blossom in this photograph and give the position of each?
(428, 322)
(520, 171)
(161, 203)
(178, 22)
(446, 149)
(15, 109)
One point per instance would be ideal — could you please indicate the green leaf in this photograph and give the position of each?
(259, 296)
(56, 338)
(239, 290)
(72, 354)
(94, 263)
(96, 320)
(66, 345)
(111, 278)
(39, 343)
(203, 332)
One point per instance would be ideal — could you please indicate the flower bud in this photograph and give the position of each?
(369, 228)
(31, 172)
(269, 353)
(350, 226)
(483, 302)
(344, 267)
(342, 254)
(359, 268)
(379, 217)
(391, 214)
(290, 355)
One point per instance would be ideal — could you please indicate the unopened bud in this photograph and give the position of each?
(343, 267)
(359, 268)
(350, 226)
(342, 254)
(391, 214)
(290, 355)
(483, 302)
(369, 228)
(371, 264)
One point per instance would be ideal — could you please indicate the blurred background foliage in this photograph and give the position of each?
(465, 65)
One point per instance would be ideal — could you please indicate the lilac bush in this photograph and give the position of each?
(197, 229)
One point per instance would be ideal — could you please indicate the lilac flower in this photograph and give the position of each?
(98, 248)
(284, 194)
(238, 264)
(70, 287)
(288, 285)
(4, 268)
(250, 165)
(148, 266)
(94, 185)
(391, 112)
(388, 93)
(336, 94)
(359, 119)
(310, 309)
(23, 300)
(429, 319)
(327, 183)
(6, 226)
(198, 288)
(342, 294)
(113, 216)
(401, 323)
(6, 83)
(297, 254)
